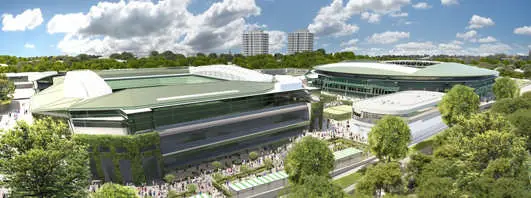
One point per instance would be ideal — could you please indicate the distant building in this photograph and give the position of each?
(300, 41)
(529, 55)
(255, 42)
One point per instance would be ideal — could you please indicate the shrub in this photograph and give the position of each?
(253, 155)
(216, 164)
(192, 188)
(169, 178)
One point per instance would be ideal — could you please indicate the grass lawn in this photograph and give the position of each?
(348, 180)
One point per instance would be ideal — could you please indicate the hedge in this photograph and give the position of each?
(133, 144)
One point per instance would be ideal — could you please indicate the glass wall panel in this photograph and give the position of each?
(207, 153)
(186, 140)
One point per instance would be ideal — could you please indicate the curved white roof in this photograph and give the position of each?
(231, 72)
(438, 69)
(374, 66)
(287, 83)
(84, 84)
(399, 103)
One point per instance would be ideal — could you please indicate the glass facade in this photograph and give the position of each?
(163, 116)
(211, 152)
(214, 134)
(369, 85)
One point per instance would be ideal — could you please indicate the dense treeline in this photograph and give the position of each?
(504, 64)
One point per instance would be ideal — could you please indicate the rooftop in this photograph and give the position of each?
(345, 153)
(399, 103)
(133, 90)
(157, 81)
(150, 97)
(253, 182)
(437, 69)
(128, 73)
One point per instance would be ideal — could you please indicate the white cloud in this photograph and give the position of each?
(449, 46)
(67, 23)
(414, 48)
(431, 48)
(370, 17)
(333, 19)
(488, 39)
(378, 6)
(28, 20)
(349, 43)
(422, 6)
(398, 14)
(277, 41)
(449, 2)
(529, 46)
(525, 30)
(387, 37)
(143, 26)
(29, 46)
(456, 42)
(479, 22)
(490, 49)
(467, 36)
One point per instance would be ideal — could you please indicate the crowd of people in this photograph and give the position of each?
(202, 175)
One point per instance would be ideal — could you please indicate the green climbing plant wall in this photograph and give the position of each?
(128, 147)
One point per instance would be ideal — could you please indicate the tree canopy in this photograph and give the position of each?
(110, 190)
(41, 160)
(379, 178)
(389, 138)
(309, 156)
(479, 156)
(521, 120)
(507, 106)
(505, 87)
(459, 102)
(171, 59)
(315, 186)
(7, 89)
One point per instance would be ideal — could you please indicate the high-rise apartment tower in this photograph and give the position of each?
(255, 42)
(300, 41)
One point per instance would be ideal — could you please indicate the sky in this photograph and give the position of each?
(371, 27)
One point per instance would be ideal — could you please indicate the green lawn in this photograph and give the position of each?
(348, 180)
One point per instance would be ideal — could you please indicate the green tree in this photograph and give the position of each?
(379, 178)
(505, 87)
(268, 163)
(169, 178)
(521, 120)
(191, 188)
(459, 102)
(110, 190)
(508, 106)
(216, 165)
(478, 155)
(173, 194)
(244, 168)
(389, 138)
(253, 155)
(310, 156)
(7, 88)
(315, 186)
(414, 167)
(154, 53)
(42, 160)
